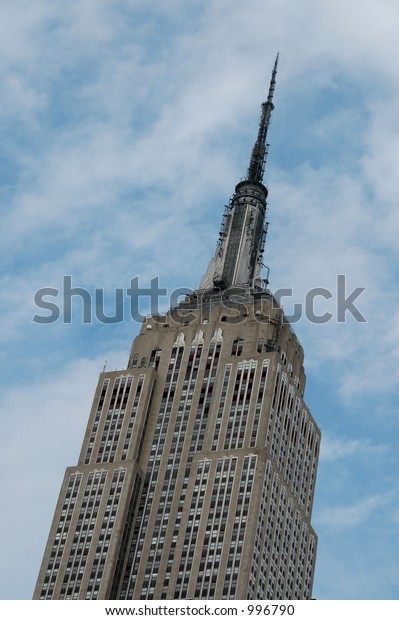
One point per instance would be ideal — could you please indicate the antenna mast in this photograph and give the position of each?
(259, 151)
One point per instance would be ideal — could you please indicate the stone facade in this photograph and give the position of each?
(197, 471)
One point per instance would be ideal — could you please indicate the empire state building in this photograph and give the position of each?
(197, 471)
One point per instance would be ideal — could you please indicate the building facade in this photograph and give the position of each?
(197, 471)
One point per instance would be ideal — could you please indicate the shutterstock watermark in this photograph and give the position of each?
(77, 304)
(344, 305)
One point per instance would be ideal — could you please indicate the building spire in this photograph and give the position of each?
(238, 260)
(259, 151)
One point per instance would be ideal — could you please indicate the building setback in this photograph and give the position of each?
(197, 471)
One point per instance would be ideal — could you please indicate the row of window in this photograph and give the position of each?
(78, 532)
(169, 482)
(155, 356)
(293, 440)
(83, 536)
(63, 527)
(150, 483)
(240, 520)
(116, 428)
(284, 555)
(212, 559)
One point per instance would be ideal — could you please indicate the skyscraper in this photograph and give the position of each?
(197, 471)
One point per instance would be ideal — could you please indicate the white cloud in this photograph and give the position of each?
(351, 515)
(333, 448)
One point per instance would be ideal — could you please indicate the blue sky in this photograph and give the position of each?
(124, 130)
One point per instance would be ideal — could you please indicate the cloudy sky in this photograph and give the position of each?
(124, 130)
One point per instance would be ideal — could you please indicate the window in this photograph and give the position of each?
(237, 347)
(155, 357)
